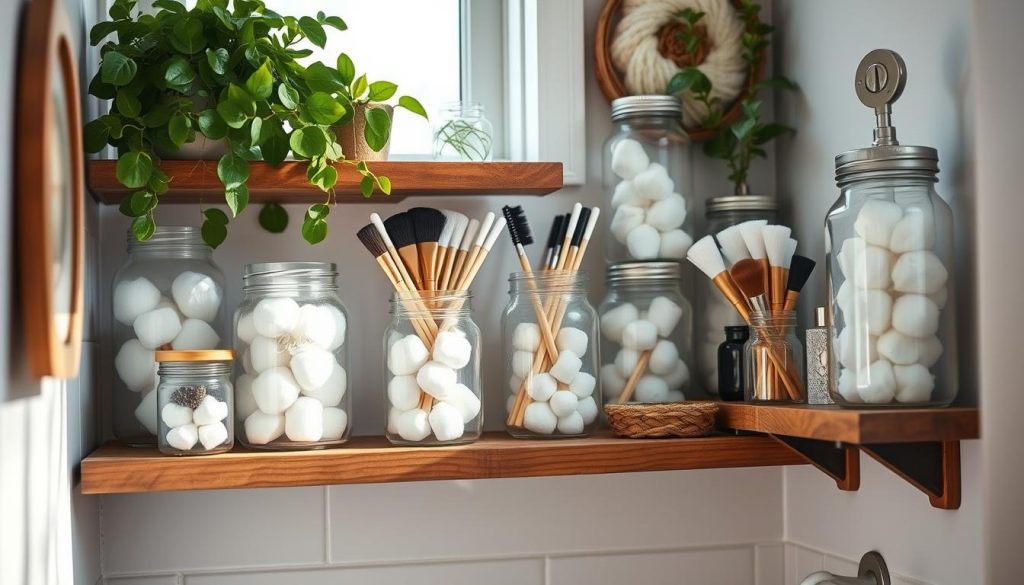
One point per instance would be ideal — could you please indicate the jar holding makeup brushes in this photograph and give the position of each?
(551, 347)
(432, 375)
(773, 359)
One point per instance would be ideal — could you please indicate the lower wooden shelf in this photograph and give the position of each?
(115, 469)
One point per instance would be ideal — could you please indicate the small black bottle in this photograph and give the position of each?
(730, 363)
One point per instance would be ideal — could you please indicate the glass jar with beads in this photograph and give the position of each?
(195, 398)
(291, 375)
(647, 328)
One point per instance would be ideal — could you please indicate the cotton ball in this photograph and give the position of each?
(878, 305)
(583, 385)
(679, 377)
(136, 366)
(674, 396)
(195, 334)
(848, 386)
(916, 231)
(571, 424)
(566, 366)
(265, 353)
(146, 412)
(625, 219)
(867, 266)
(514, 383)
(675, 244)
(898, 348)
(446, 422)
(183, 438)
(626, 361)
(133, 298)
(393, 416)
(629, 158)
(247, 366)
(333, 390)
(213, 435)
(315, 324)
(539, 418)
(667, 214)
(340, 327)
(403, 392)
(452, 350)
(275, 390)
(275, 316)
(856, 351)
(312, 367)
(510, 403)
(881, 386)
(436, 379)
(407, 355)
(262, 428)
(914, 383)
(245, 329)
(245, 403)
(612, 381)
(168, 303)
(563, 403)
(930, 350)
(304, 420)
(844, 297)
(412, 425)
(919, 272)
(175, 415)
(615, 320)
(650, 389)
(526, 337)
(157, 327)
(572, 339)
(209, 411)
(665, 315)
(643, 242)
(640, 335)
(587, 409)
(663, 358)
(540, 387)
(466, 401)
(626, 194)
(876, 220)
(940, 297)
(915, 315)
(335, 423)
(653, 183)
(522, 364)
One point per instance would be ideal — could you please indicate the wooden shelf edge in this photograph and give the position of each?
(115, 469)
(196, 181)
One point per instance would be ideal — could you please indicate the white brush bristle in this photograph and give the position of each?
(751, 232)
(448, 230)
(704, 255)
(790, 252)
(733, 247)
(471, 230)
(776, 238)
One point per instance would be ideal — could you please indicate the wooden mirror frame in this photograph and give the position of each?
(47, 55)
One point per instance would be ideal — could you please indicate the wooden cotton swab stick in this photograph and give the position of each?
(521, 235)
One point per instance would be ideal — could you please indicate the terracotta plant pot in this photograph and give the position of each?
(352, 139)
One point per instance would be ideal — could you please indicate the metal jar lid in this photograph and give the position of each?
(639, 271)
(736, 203)
(289, 274)
(646, 105)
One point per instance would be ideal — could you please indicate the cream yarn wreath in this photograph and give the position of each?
(645, 70)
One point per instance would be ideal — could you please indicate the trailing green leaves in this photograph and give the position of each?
(116, 69)
(260, 84)
(308, 142)
(314, 31)
(134, 169)
(377, 129)
(413, 105)
(215, 227)
(324, 109)
(314, 225)
(273, 218)
(382, 90)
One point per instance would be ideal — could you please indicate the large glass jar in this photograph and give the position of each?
(647, 326)
(713, 311)
(648, 181)
(551, 372)
(773, 359)
(194, 401)
(291, 371)
(463, 132)
(432, 374)
(169, 294)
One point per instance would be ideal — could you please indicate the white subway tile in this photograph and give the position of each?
(506, 572)
(769, 564)
(85, 537)
(841, 566)
(801, 562)
(148, 580)
(732, 566)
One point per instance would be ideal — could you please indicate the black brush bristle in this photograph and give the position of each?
(581, 226)
(556, 230)
(565, 227)
(400, 229)
(427, 223)
(800, 269)
(372, 240)
(518, 226)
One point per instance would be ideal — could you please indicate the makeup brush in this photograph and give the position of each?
(398, 267)
(443, 242)
(570, 230)
(521, 235)
(375, 245)
(754, 239)
(734, 248)
(705, 256)
(428, 224)
(485, 249)
(557, 251)
(776, 241)
(402, 233)
(577, 236)
(799, 271)
(460, 222)
(463, 251)
(554, 236)
(481, 236)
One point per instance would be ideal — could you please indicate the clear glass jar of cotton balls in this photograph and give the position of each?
(168, 295)
(648, 179)
(194, 401)
(291, 377)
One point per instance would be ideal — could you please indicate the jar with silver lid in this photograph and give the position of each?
(648, 181)
(890, 258)
(194, 402)
(647, 327)
(292, 370)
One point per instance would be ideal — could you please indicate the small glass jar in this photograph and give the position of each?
(432, 375)
(550, 395)
(291, 375)
(731, 374)
(194, 401)
(648, 181)
(713, 311)
(773, 359)
(463, 132)
(647, 325)
(168, 295)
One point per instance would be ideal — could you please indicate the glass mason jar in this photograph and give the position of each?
(194, 401)
(168, 295)
(291, 375)
(463, 132)
(647, 326)
(773, 359)
(432, 376)
(550, 395)
(648, 180)
(713, 311)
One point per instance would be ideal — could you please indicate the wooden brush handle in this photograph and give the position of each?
(470, 262)
(456, 270)
(779, 276)
(792, 297)
(446, 269)
(634, 378)
(411, 260)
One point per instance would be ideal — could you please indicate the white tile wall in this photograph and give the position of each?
(687, 567)
(500, 572)
(802, 561)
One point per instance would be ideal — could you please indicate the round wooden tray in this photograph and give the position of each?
(695, 418)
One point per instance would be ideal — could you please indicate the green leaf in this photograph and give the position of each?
(413, 105)
(95, 135)
(273, 218)
(346, 68)
(385, 185)
(288, 97)
(359, 87)
(232, 115)
(779, 82)
(187, 36)
(179, 74)
(138, 203)
(318, 211)
(100, 31)
(232, 170)
(313, 30)
(117, 69)
(224, 17)
(260, 84)
(98, 88)
(214, 233)
(170, 6)
(178, 128)
(216, 216)
(742, 128)
(768, 132)
(218, 60)
(366, 186)
(336, 22)
(324, 109)
(242, 99)
(237, 198)
(143, 227)
(134, 169)
(314, 230)
(157, 116)
(212, 125)
(692, 79)
(308, 142)
(325, 177)
(377, 129)
(721, 146)
(320, 77)
(382, 90)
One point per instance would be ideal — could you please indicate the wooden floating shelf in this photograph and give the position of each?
(196, 181)
(116, 469)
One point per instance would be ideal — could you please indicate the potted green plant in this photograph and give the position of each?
(223, 71)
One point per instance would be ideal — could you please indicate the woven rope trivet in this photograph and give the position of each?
(644, 421)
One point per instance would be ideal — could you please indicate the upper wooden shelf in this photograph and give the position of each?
(853, 427)
(116, 469)
(196, 181)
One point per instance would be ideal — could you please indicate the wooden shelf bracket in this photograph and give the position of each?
(932, 467)
(838, 461)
